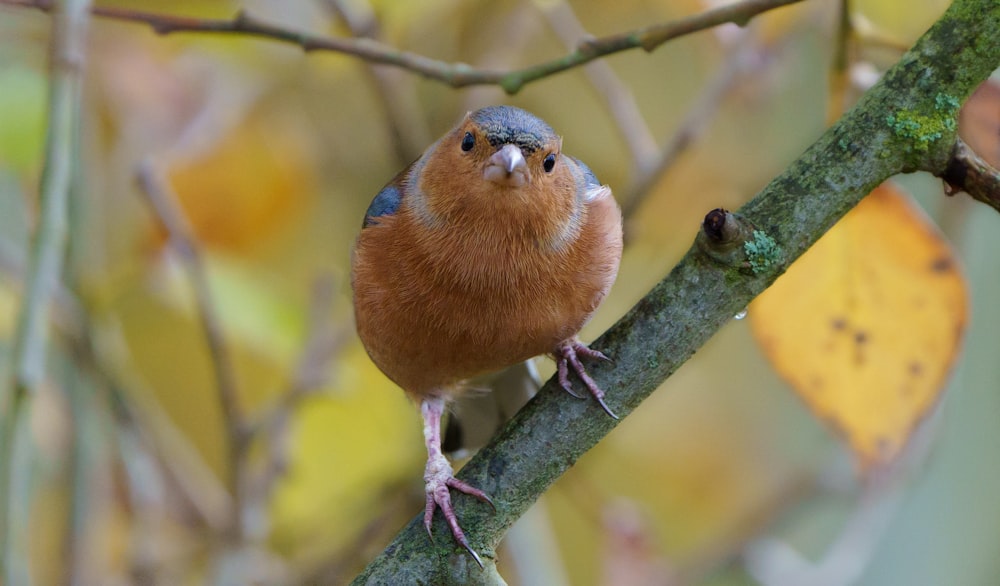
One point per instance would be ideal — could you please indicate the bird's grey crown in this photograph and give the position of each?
(509, 125)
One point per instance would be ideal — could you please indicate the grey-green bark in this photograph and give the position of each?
(906, 123)
(48, 247)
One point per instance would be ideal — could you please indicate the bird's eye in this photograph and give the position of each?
(468, 142)
(549, 162)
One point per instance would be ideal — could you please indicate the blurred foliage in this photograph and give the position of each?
(275, 154)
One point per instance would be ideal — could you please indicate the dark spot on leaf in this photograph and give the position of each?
(915, 368)
(860, 337)
(838, 323)
(941, 265)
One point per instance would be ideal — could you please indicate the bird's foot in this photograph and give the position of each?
(438, 479)
(568, 355)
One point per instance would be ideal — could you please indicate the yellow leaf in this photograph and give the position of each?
(249, 186)
(866, 325)
(902, 22)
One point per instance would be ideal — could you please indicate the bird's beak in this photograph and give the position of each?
(507, 167)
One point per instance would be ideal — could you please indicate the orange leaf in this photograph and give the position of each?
(866, 325)
(247, 188)
(979, 122)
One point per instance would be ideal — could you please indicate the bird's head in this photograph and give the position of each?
(499, 158)
(511, 146)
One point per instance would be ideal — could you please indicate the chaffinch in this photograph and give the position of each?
(490, 249)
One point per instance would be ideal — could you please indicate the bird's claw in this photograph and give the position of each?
(583, 350)
(568, 355)
(438, 480)
(563, 367)
(473, 553)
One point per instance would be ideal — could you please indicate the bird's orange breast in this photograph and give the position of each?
(437, 305)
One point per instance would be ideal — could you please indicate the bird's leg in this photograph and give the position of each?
(439, 477)
(567, 355)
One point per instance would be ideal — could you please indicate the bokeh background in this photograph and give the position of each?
(722, 477)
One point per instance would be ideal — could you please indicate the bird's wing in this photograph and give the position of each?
(387, 201)
(385, 204)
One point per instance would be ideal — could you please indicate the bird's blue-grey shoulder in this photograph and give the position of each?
(386, 203)
(590, 180)
(509, 125)
(588, 185)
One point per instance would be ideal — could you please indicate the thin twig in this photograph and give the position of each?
(507, 39)
(870, 36)
(141, 434)
(181, 239)
(740, 58)
(322, 343)
(454, 74)
(839, 69)
(45, 259)
(970, 173)
(394, 506)
(773, 562)
(144, 428)
(395, 92)
(77, 548)
(618, 98)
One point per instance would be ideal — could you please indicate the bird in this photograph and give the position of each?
(492, 248)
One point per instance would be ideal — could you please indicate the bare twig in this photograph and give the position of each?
(395, 92)
(870, 36)
(775, 563)
(509, 37)
(181, 239)
(321, 345)
(618, 98)
(161, 469)
(454, 74)
(45, 259)
(840, 68)
(141, 434)
(970, 173)
(79, 567)
(394, 506)
(738, 61)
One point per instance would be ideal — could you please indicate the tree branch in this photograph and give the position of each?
(968, 172)
(618, 98)
(900, 125)
(396, 93)
(48, 248)
(163, 203)
(454, 74)
(741, 61)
